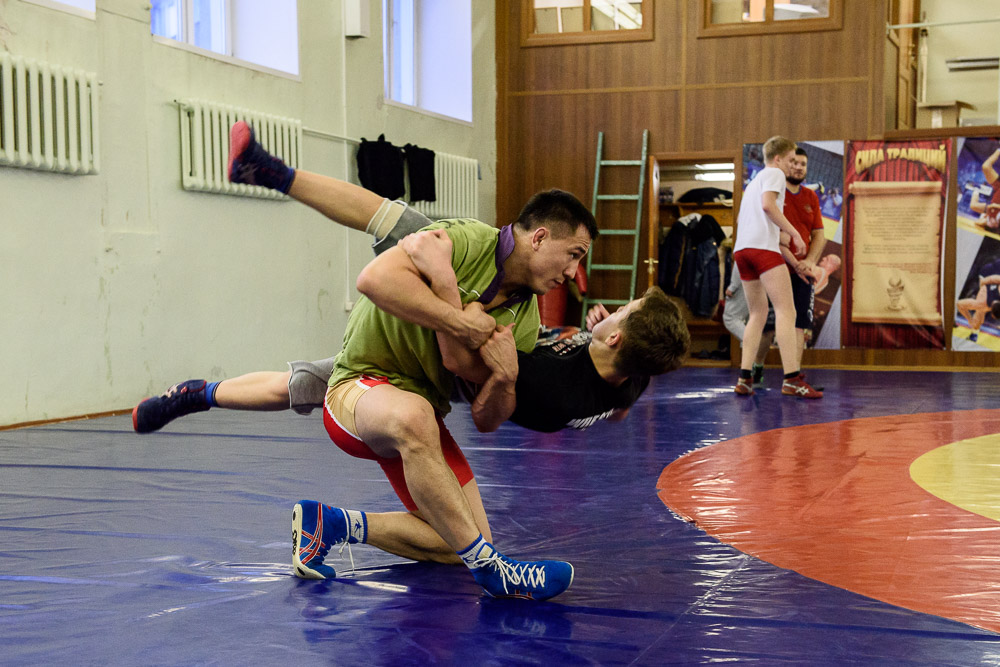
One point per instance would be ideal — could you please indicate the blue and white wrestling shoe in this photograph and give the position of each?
(503, 577)
(316, 528)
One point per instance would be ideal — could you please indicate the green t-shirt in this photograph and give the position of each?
(377, 343)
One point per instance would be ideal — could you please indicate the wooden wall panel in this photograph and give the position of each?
(552, 140)
(722, 118)
(828, 55)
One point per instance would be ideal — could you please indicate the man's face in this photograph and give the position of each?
(784, 162)
(616, 320)
(799, 166)
(555, 259)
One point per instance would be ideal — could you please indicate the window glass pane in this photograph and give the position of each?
(737, 11)
(615, 15)
(86, 5)
(547, 20)
(165, 19)
(265, 32)
(801, 9)
(572, 19)
(401, 51)
(210, 25)
(552, 16)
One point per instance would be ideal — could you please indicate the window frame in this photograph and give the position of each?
(587, 36)
(769, 26)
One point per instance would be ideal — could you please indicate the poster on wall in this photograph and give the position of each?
(896, 194)
(977, 251)
(825, 176)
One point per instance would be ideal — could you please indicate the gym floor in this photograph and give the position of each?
(863, 528)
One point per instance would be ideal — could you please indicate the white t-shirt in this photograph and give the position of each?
(753, 228)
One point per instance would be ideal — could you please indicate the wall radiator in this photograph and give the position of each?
(456, 184)
(205, 145)
(48, 117)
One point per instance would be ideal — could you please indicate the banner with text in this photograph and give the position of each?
(896, 195)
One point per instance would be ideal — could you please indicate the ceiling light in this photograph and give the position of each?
(716, 176)
(716, 166)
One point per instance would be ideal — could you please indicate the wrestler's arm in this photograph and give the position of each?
(975, 205)
(989, 280)
(394, 284)
(817, 242)
(430, 251)
(800, 266)
(497, 398)
(769, 203)
(989, 171)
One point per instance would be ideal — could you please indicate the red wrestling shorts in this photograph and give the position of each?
(753, 262)
(338, 417)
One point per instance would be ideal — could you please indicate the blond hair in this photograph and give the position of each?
(777, 146)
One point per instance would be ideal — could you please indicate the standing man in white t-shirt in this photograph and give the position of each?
(763, 270)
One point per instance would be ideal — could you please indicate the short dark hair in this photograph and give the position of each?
(656, 338)
(995, 309)
(801, 151)
(556, 206)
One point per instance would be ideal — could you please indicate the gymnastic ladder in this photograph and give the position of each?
(588, 299)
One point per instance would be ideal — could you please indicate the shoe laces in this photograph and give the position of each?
(516, 573)
(346, 544)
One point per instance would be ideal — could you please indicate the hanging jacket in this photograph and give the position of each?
(380, 168)
(420, 171)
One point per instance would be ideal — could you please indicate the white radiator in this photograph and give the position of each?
(48, 117)
(205, 145)
(456, 184)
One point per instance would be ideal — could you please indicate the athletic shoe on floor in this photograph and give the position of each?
(181, 399)
(758, 376)
(743, 387)
(250, 164)
(503, 577)
(797, 386)
(316, 528)
(974, 336)
(815, 386)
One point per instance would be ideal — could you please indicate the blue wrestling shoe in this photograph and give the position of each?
(503, 577)
(250, 164)
(974, 336)
(316, 528)
(181, 399)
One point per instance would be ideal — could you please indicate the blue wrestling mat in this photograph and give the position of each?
(174, 548)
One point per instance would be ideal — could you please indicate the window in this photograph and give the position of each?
(198, 22)
(548, 22)
(754, 17)
(84, 8)
(427, 50)
(262, 32)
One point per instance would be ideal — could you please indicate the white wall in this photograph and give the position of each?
(116, 285)
(965, 41)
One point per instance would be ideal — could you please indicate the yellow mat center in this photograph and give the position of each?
(964, 473)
